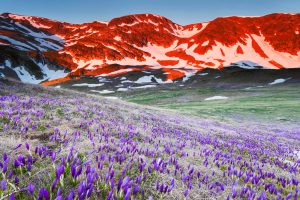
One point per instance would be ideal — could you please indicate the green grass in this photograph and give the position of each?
(41, 127)
(280, 102)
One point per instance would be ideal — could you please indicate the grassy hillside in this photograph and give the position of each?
(61, 144)
(275, 103)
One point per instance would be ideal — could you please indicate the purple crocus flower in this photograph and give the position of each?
(126, 180)
(120, 182)
(58, 193)
(30, 189)
(5, 167)
(59, 171)
(3, 185)
(90, 191)
(80, 189)
(27, 146)
(234, 193)
(5, 157)
(53, 184)
(16, 180)
(109, 196)
(263, 196)
(161, 188)
(198, 174)
(73, 171)
(186, 193)
(112, 183)
(16, 163)
(10, 174)
(79, 171)
(12, 196)
(295, 182)
(71, 196)
(53, 156)
(18, 146)
(136, 189)
(33, 127)
(289, 196)
(29, 163)
(127, 196)
(43, 194)
(21, 159)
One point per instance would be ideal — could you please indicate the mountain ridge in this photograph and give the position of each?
(153, 41)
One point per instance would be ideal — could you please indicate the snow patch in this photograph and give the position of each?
(113, 98)
(51, 74)
(132, 24)
(205, 43)
(122, 89)
(19, 45)
(152, 22)
(103, 91)
(25, 76)
(216, 98)
(88, 85)
(144, 86)
(187, 76)
(40, 34)
(247, 64)
(7, 63)
(203, 74)
(278, 81)
(118, 38)
(148, 79)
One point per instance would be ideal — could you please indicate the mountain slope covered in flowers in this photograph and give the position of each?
(57, 144)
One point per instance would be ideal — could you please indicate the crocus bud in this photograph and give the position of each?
(30, 189)
(12, 196)
(3, 185)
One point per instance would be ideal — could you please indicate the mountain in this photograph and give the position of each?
(40, 50)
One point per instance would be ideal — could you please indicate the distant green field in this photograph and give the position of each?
(279, 103)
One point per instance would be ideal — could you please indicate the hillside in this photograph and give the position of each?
(117, 150)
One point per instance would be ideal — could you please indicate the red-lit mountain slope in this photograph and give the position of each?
(60, 50)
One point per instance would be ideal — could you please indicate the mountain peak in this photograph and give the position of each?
(130, 20)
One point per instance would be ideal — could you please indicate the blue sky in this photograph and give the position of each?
(180, 11)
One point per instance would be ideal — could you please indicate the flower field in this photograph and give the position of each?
(58, 144)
